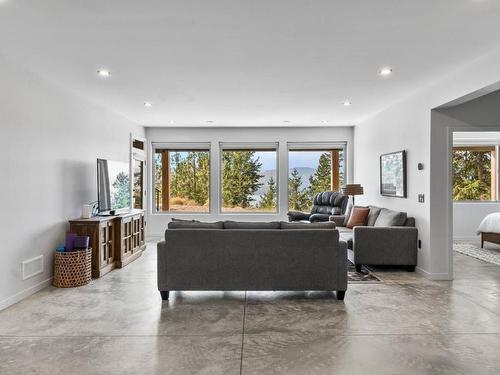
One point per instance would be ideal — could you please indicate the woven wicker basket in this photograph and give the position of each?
(72, 268)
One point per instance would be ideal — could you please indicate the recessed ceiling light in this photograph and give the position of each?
(172, 122)
(325, 121)
(385, 71)
(104, 72)
(347, 103)
(147, 104)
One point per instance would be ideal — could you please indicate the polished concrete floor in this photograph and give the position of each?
(119, 325)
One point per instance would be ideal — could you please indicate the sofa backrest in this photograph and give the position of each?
(285, 225)
(330, 203)
(251, 224)
(410, 222)
(253, 259)
(247, 225)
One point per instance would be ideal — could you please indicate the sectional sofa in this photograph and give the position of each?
(388, 238)
(252, 256)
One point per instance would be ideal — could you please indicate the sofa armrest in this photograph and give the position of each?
(161, 265)
(315, 218)
(385, 245)
(297, 216)
(337, 219)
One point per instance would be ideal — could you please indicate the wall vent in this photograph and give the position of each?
(32, 267)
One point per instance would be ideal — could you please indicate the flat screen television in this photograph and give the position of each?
(113, 185)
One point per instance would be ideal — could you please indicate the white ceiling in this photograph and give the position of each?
(246, 62)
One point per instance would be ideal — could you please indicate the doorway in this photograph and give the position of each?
(475, 195)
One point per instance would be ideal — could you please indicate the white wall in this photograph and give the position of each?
(407, 125)
(468, 215)
(50, 141)
(158, 222)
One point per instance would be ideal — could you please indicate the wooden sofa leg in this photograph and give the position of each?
(358, 267)
(340, 294)
(164, 294)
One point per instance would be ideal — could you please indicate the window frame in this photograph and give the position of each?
(320, 147)
(492, 147)
(186, 147)
(249, 146)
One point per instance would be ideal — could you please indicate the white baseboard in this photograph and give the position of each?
(466, 238)
(153, 237)
(434, 276)
(24, 293)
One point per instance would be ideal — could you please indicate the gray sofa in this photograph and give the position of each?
(389, 238)
(252, 256)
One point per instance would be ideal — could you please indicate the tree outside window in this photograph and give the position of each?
(249, 181)
(474, 173)
(312, 172)
(181, 180)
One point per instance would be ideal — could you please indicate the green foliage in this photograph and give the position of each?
(240, 178)
(190, 176)
(301, 199)
(297, 197)
(321, 180)
(157, 171)
(268, 200)
(471, 175)
(121, 192)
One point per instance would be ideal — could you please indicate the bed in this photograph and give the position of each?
(489, 229)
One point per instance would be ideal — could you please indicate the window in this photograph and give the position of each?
(474, 171)
(249, 180)
(181, 179)
(138, 158)
(138, 183)
(312, 170)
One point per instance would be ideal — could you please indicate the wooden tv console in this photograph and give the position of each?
(115, 240)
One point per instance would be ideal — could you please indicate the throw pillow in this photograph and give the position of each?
(390, 218)
(347, 214)
(359, 217)
(373, 215)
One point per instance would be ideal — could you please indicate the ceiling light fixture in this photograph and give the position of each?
(172, 122)
(147, 104)
(347, 103)
(104, 72)
(384, 72)
(325, 121)
(210, 121)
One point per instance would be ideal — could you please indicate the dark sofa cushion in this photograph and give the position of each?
(390, 218)
(251, 225)
(195, 225)
(319, 225)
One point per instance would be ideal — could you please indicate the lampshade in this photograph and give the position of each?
(353, 189)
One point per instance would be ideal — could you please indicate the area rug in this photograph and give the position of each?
(474, 251)
(365, 276)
